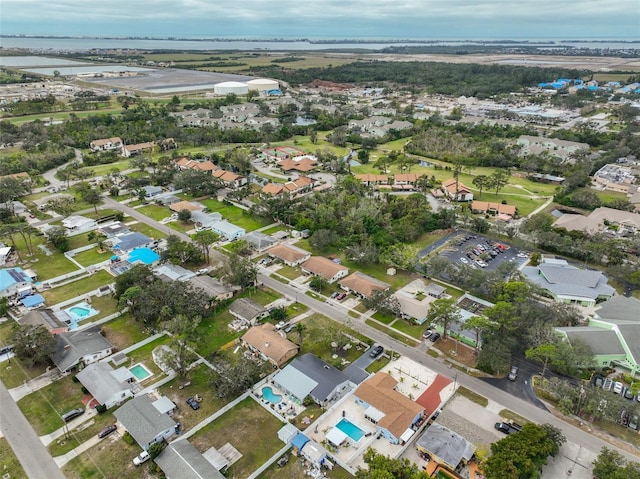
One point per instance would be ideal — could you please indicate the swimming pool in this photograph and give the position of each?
(81, 311)
(350, 429)
(140, 371)
(270, 396)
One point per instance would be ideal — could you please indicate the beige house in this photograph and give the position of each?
(363, 284)
(269, 344)
(289, 254)
(456, 190)
(106, 144)
(325, 268)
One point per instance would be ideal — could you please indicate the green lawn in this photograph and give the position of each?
(143, 355)
(9, 463)
(199, 379)
(124, 331)
(100, 170)
(145, 229)
(214, 332)
(44, 407)
(391, 333)
(92, 256)
(250, 429)
(235, 215)
(155, 212)
(289, 272)
(46, 267)
(410, 328)
(112, 458)
(262, 295)
(78, 436)
(78, 288)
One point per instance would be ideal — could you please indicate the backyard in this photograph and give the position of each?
(295, 469)
(77, 288)
(44, 407)
(14, 372)
(250, 429)
(123, 331)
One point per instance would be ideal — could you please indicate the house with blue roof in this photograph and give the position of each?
(15, 282)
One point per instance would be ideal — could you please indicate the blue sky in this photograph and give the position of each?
(326, 18)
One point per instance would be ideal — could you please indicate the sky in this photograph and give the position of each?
(399, 19)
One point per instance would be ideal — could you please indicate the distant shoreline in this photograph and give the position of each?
(326, 41)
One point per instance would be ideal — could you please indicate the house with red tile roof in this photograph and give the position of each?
(456, 190)
(363, 284)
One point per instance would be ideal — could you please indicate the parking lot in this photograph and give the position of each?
(477, 251)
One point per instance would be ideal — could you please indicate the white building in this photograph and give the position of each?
(263, 85)
(231, 87)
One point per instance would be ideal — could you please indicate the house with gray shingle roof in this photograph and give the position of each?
(569, 284)
(108, 386)
(248, 311)
(146, 424)
(84, 346)
(181, 460)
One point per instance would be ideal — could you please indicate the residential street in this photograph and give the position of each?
(513, 403)
(33, 456)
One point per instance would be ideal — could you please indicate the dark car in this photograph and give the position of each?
(283, 461)
(195, 405)
(434, 337)
(74, 413)
(377, 351)
(503, 427)
(627, 394)
(107, 430)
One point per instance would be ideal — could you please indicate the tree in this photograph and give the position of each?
(384, 467)
(300, 330)
(184, 338)
(278, 314)
(383, 301)
(445, 313)
(181, 252)
(32, 344)
(205, 239)
(11, 189)
(400, 255)
(232, 376)
(499, 179)
(322, 239)
(241, 271)
(92, 197)
(140, 162)
(99, 238)
(318, 283)
(611, 464)
(479, 225)
(479, 325)
(196, 182)
(63, 206)
(57, 235)
(184, 215)
(545, 353)
(481, 182)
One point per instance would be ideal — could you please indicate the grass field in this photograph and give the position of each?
(155, 212)
(9, 464)
(78, 288)
(124, 331)
(92, 256)
(44, 407)
(145, 229)
(250, 429)
(235, 215)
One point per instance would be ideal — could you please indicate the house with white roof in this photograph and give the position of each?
(228, 230)
(110, 387)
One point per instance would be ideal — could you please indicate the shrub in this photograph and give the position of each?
(101, 408)
(126, 437)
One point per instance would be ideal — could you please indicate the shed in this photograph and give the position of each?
(33, 301)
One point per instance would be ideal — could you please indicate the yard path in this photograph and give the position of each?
(33, 456)
(34, 384)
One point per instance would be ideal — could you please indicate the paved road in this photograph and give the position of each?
(513, 403)
(33, 456)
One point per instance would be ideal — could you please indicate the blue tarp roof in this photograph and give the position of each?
(33, 300)
(299, 441)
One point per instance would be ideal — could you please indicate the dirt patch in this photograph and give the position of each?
(457, 351)
(119, 339)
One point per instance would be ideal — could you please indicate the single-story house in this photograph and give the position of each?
(456, 190)
(230, 179)
(370, 179)
(108, 386)
(132, 150)
(489, 207)
(75, 223)
(181, 460)
(259, 241)
(186, 205)
(309, 375)
(32, 301)
(289, 254)
(394, 414)
(214, 288)
(15, 281)
(248, 311)
(114, 229)
(412, 308)
(151, 191)
(613, 333)
(55, 322)
(325, 268)
(435, 290)
(173, 272)
(569, 284)
(127, 242)
(601, 219)
(205, 220)
(270, 344)
(83, 346)
(445, 446)
(363, 284)
(228, 230)
(146, 424)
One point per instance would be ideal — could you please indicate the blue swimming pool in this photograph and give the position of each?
(81, 311)
(270, 396)
(140, 371)
(350, 429)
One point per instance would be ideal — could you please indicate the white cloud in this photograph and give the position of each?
(336, 17)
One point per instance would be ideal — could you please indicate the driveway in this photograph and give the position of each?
(357, 369)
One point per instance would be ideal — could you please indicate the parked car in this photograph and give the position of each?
(513, 374)
(74, 413)
(464, 260)
(195, 405)
(435, 337)
(6, 349)
(597, 381)
(427, 334)
(107, 430)
(633, 423)
(144, 456)
(283, 460)
(289, 328)
(627, 394)
(607, 384)
(617, 387)
(282, 324)
(503, 427)
(202, 271)
(335, 294)
(341, 296)
(377, 351)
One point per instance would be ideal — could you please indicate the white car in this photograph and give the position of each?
(618, 387)
(144, 456)
(464, 260)
(481, 263)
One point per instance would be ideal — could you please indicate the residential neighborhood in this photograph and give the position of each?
(270, 279)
